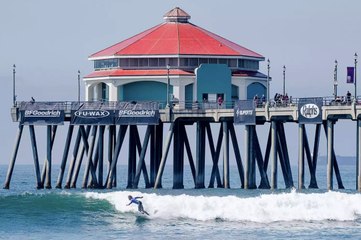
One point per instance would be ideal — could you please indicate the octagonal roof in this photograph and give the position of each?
(176, 36)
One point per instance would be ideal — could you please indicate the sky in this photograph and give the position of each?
(49, 41)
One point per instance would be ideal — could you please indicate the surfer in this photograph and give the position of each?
(139, 203)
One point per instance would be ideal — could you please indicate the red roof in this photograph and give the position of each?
(128, 72)
(176, 36)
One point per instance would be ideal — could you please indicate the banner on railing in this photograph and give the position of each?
(244, 112)
(132, 113)
(310, 110)
(92, 113)
(42, 113)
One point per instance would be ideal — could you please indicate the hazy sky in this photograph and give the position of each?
(50, 40)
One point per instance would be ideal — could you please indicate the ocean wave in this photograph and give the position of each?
(42, 202)
(265, 208)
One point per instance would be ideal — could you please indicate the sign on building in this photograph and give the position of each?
(244, 112)
(92, 113)
(310, 110)
(132, 113)
(42, 113)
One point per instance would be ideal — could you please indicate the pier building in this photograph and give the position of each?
(176, 61)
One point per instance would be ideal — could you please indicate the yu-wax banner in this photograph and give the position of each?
(42, 113)
(92, 113)
(310, 110)
(244, 112)
(350, 75)
(137, 113)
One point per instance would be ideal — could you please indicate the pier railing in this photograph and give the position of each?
(290, 105)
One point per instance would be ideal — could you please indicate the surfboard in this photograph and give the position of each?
(141, 216)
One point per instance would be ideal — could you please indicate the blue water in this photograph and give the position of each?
(27, 213)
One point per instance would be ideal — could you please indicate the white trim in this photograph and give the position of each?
(117, 81)
(136, 77)
(249, 78)
(177, 56)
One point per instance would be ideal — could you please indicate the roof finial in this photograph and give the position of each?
(176, 15)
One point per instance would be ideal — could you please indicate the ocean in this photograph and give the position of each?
(210, 213)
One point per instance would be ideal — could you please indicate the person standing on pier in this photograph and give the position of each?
(348, 97)
(139, 203)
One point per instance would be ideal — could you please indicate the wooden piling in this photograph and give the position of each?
(13, 158)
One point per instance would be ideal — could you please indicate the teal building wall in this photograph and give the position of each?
(214, 79)
(144, 91)
(256, 88)
(189, 95)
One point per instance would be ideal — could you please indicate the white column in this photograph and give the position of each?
(113, 92)
(89, 92)
(242, 89)
(97, 92)
(179, 93)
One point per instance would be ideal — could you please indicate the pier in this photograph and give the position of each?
(93, 144)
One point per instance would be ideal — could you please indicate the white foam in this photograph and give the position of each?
(264, 208)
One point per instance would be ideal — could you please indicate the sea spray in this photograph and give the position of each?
(292, 206)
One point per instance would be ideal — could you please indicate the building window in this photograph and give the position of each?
(241, 63)
(223, 61)
(213, 60)
(124, 62)
(193, 62)
(184, 62)
(248, 64)
(153, 62)
(133, 62)
(203, 60)
(232, 63)
(143, 62)
(106, 63)
(162, 62)
(173, 62)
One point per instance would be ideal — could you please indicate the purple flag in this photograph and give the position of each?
(350, 74)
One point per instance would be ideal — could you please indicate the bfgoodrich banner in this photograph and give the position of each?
(244, 112)
(310, 110)
(42, 113)
(146, 113)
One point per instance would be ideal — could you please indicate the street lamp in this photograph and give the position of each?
(335, 80)
(284, 80)
(78, 85)
(268, 68)
(168, 85)
(355, 77)
(14, 96)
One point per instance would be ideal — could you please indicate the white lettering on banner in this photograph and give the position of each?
(310, 110)
(244, 112)
(91, 113)
(42, 113)
(136, 113)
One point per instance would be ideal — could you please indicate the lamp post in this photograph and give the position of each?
(268, 68)
(335, 80)
(78, 85)
(284, 80)
(355, 77)
(14, 96)
(168, 85)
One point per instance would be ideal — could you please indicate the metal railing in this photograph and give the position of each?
(67, 106)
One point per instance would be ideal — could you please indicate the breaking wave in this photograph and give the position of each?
(292, 206)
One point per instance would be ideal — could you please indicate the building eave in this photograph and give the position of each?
(177, 56)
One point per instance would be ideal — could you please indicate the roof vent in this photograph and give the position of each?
(176, 15)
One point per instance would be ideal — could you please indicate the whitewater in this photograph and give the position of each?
(265, 208)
